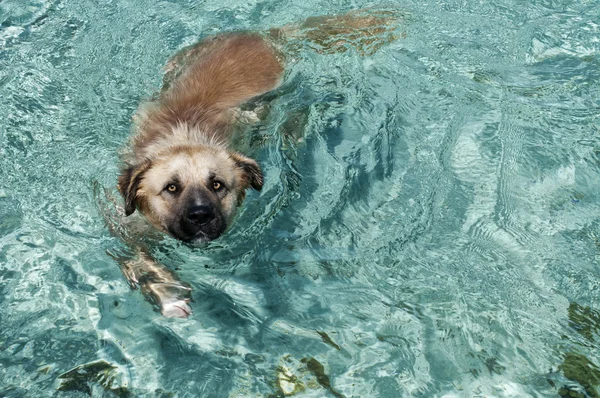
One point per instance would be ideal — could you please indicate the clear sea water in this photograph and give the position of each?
(435, 232)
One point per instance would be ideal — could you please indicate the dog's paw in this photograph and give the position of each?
(175, 309)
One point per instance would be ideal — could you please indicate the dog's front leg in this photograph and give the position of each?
(159, 284)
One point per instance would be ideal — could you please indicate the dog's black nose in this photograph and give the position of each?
(200, 214)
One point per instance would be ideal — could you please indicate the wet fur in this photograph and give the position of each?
(197, 107)
(184, 135)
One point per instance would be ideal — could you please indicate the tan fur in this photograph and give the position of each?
(185, 132)
(197, 107)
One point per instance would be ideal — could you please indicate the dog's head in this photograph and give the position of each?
(190, 192)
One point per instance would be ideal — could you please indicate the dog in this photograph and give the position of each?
(182, 175)
(180, 169)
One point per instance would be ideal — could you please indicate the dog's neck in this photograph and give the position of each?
(159, 128)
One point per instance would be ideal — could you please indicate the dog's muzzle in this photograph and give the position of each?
(200, 223)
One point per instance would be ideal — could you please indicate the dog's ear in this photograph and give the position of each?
(128, 184)
(251, 170)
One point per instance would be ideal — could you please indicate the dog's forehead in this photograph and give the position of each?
(199, 165)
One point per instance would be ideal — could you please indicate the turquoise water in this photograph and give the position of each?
(435, 232)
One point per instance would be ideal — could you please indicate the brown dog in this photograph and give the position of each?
(180, 170)
(182, 175)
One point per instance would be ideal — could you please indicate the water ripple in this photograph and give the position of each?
(428, 224)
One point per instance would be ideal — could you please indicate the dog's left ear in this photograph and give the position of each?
(128, 184)
(251, 170)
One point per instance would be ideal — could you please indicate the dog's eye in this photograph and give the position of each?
(217, 185)
(172, 188)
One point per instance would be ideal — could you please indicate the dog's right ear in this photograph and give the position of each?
(128, 184)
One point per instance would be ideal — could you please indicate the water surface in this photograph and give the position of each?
(434, 233)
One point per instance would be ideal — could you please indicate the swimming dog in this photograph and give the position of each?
(180, 169)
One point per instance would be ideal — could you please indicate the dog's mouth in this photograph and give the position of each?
(196, 235)
(199, 239)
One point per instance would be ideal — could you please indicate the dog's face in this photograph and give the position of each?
(190, 192)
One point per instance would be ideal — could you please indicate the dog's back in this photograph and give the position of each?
(232, 69)
(221, 73)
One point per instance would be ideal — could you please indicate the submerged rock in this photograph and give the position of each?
(85, 377)
(288, 382)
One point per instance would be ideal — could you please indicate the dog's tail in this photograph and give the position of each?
(365, 30)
